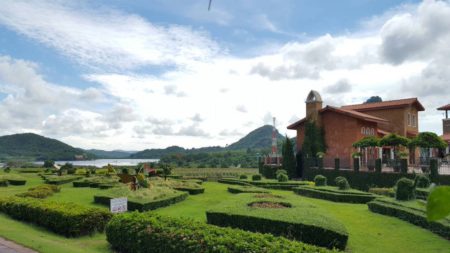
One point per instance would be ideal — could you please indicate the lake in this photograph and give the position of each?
(103, 162)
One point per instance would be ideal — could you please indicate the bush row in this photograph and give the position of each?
(307, 233)
(265, 184)
(67, 219)
(13, 179)
(144, 206)
(3, 182)
(365, 180)
(246, 189)
(414, 216)
(191, 191)
(60, 179)
(41, 191)
(389, 192)
(147, 232)
(336, 196)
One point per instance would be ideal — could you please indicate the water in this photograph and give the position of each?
(103, 162)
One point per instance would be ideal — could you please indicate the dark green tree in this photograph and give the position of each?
(288, 162)
(167, 170)
(48, 164)
(314, 141)
(373, 99)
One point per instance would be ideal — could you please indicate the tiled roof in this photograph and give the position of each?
(385, 105)
(445, 107)
(382, 132)
(350, 113)
(296, 124)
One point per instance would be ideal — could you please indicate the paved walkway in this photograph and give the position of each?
(11, 247)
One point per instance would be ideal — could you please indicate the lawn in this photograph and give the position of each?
(368, 232)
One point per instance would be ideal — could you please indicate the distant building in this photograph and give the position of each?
(345, 125)
(446, 126)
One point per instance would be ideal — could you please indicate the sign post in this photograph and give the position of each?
(119, 205)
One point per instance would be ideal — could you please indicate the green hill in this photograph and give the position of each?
(114, 154)
(260, 138)
(29, 146)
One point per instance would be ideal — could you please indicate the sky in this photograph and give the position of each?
(131, 75)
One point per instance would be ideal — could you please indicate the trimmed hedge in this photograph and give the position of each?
(299, 220)
(422, 193)
(320, 180)
(3, 182)
(411, 215)
(191, 191)
(265, 184)
(150, 233)
(389, 192)
(270, 171)
(404, 189)
(68, 219)
(256, 177)
(336, 195)
(365, 180)
(144, 205)
(61, 179)
(41, 191)
(246, 189)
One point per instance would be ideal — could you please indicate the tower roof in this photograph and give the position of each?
(313, 96)
(444, 108)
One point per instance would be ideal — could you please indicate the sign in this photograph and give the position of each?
(119, 205)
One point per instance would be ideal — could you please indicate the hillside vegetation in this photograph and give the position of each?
(35, 147)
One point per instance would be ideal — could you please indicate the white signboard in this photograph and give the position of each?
(118, 205)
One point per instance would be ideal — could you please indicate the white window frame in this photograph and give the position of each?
(409, 119)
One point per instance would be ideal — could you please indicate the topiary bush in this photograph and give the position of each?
(280, 171)
(281, 177)
(41, 191)
(342, 183)
(320, 180)
(422, 181)
(256, 177)
(404, 189)
(68, 219)
(434, 174)
(146, 232)
(378, 165)
(243, 176)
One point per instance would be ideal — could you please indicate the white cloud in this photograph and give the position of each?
(108, 38)
(197, 105)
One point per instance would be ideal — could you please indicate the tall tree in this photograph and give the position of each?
(288, 163)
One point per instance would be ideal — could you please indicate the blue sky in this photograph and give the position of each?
(144, 74)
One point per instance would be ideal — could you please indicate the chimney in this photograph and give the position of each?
(446, 120)
(313, 105)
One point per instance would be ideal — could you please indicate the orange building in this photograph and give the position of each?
(345, 125)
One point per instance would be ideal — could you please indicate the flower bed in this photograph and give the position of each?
(300, 220)
(246, 189)
(334, 194)
(142, 199)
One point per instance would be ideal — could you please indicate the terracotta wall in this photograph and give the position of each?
(397, 118)
(340, 133)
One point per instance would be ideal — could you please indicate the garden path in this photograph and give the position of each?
(11, 247)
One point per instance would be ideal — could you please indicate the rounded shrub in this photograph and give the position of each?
(320, 180)
(281, 171)
(422, 181)
(256, 177)
(404, 189)
(243, 176)
(281, 177)
(342, 183)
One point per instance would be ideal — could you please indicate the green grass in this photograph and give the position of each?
(368, 232)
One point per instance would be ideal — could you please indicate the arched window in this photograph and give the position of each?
(363, 130)
(372, 131)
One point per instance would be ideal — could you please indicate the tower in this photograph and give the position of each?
(274, 139)
(313, 106)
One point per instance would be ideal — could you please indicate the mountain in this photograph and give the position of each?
(260, 138)
(114, 154)
(158, 153)
(35, 147)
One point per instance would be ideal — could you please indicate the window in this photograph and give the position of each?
(414, 122)
(409, 119)
(363, 130)
(372, 131)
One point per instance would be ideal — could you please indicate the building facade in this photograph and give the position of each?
(446, 127)
(343, 126)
